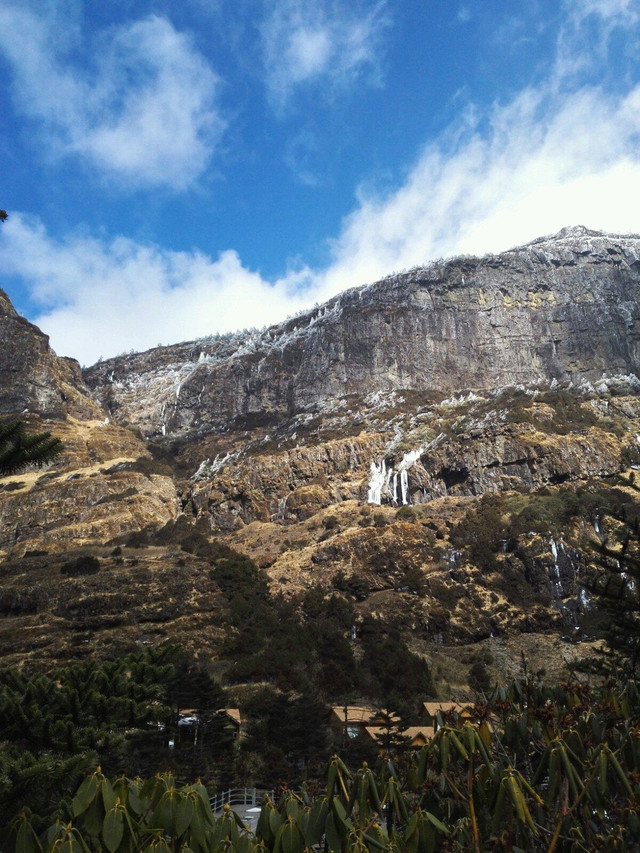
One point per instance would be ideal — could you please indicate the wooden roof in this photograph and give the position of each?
(234, 715)
(413, 733)
(356, 714)
(433, 708)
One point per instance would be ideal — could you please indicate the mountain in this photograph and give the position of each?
(563, 307)
(439, 448)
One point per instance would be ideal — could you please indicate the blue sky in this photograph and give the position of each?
(173, 169)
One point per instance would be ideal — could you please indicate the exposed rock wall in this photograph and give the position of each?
(337, 450)
(563, 307)
(34, 378)
(102, 485)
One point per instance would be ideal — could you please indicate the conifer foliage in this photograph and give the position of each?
(123, 713)
(615, 582)
(541, 768)
(19, 448)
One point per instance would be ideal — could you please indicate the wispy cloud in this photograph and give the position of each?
(546, 161)
(137, 102)
(330, 42)
(541, 166)
(622, 10)
(101, 297)
(586, 32)
(557, 154)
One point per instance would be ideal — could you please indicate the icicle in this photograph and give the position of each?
(404, 486)
(556, 569)
(282, 507)
(376, 482)
(585, 601)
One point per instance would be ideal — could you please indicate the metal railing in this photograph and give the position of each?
(247, 797)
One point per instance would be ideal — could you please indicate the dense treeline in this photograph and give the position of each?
(303, 643)
(540, 769)
(123, 713)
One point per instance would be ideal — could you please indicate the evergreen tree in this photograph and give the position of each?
(19, 448)
(615, 583)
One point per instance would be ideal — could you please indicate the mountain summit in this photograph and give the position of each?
(563, 307)
(438, 448)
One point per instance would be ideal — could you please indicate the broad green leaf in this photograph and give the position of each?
(339, 810)
(245, 844)
(84, 795)
(289, 838)
(621, 774)
(91, 821)
(376, 839)
(164, 813)
(427, 838)
(316, 821)
(334, 841)
(135, 803)
(292, 809)
(71, 845)
(458, 745)
(263, 829)
(108, 797)
(275, 822)
(26, 839)
(113, 829)
(411, 836)
(433, 820)
(185, 811)
(444, 752)
(603, 788)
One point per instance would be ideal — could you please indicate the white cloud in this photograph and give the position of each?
(319, 41)
(138, 102)
(551, 157)
(621, 10)
(585, 35)
(111, 296)
(546, 162)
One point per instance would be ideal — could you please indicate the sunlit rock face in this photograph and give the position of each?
(563, 307)
(349, 448)
(32, 376)
(101, 486)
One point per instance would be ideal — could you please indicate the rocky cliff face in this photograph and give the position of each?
(350, 448)
(103, 485)
(564, 307)
(34, 379)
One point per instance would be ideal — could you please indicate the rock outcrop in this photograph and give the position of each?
(34, 378)
(564, 307)
(349, 448)
(104, 484)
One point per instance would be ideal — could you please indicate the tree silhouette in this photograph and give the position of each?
(615, 583)
(19, 448)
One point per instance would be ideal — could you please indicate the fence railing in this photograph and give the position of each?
(248, 797)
